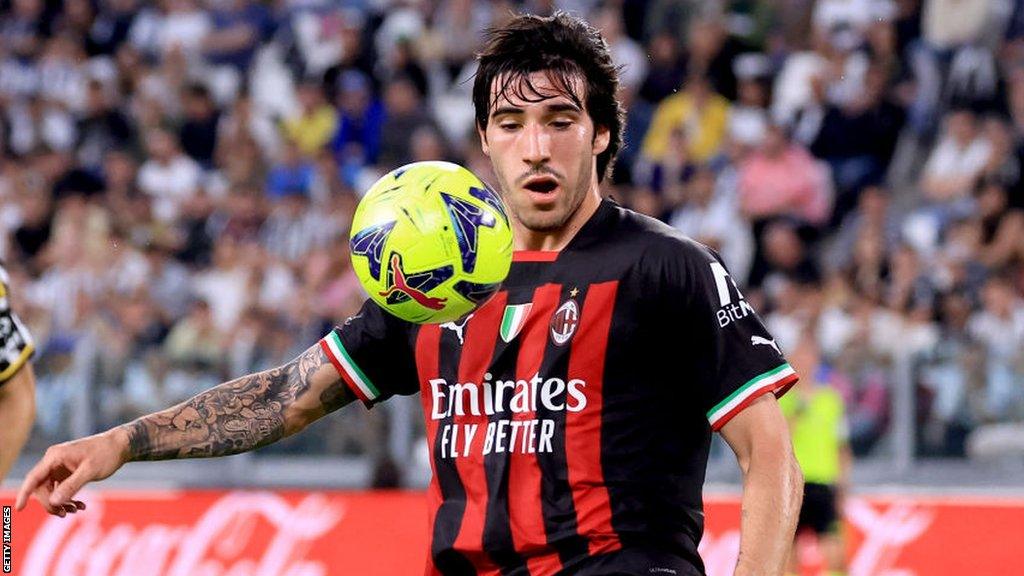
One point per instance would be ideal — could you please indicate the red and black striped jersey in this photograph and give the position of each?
(569, 418)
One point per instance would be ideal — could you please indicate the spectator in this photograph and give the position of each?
(748, 116)
(61, 73)
(101, 127)
(1002, 227)
(198, 132)
(712, 53)
(169, 285)
(1003, 165)
(292, 176)
(195, 342)
(362, 118)
(957, 159)
(238, 26)
(699, 112)
(669, 173)
(952, 366)
(665, 71)
(32, 233)
(404, 114)
(169, 176)
(426, 145)
(787, 255)
(459, 23)
(626, 53)
(782, 179)
(403, 62)
(22, 30)
(110, 27)
(713, 219)
(872, 224)
(294, 227)
(177, 29)
(243, 122)
(858, 140)
(316, 121)
(225, 286)
(38, 124)
(999, 327)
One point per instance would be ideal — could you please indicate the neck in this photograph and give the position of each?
(555, 240)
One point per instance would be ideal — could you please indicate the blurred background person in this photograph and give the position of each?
(817, 422)
(17, 380)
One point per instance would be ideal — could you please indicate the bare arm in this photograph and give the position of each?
(237, 416)
(17, 412)
(240, 415)
(772, 486)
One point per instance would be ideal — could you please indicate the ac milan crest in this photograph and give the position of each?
(564, 322)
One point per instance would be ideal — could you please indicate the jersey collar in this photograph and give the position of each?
(592, 230)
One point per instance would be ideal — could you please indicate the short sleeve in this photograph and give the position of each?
(16, 346)
(736, 358)
(373, 353)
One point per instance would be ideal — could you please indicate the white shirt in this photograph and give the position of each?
(1003, 337)
(721, 221)
(949, 160)
(169, 184)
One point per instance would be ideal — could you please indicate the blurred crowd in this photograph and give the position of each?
(177, 180)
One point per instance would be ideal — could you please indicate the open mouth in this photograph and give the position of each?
(541, 185)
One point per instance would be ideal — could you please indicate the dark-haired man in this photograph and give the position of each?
(569, 417)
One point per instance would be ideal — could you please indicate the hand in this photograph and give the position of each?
(66, 467)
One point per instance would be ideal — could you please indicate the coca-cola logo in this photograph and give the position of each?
(244, 533)
(885, 534)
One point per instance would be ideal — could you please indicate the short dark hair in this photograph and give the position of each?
(565, 47)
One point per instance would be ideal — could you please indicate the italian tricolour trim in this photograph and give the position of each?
(777, 378)
(513, 320)
(353, 376)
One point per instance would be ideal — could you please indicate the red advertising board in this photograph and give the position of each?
(293, 533)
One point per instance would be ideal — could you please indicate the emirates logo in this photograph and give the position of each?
(564, 322)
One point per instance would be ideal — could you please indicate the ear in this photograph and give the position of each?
(602, 136)
(482, 133)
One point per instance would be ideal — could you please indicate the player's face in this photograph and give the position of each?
(544, 152)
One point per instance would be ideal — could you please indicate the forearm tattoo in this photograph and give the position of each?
(234, 417)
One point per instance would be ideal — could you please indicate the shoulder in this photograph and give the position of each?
(655, 241)
(656, 250)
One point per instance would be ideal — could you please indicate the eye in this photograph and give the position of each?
(508, 126)
(561, 124)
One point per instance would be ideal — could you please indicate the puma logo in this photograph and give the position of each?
(755, 340)
(400, 285)
(457, 328)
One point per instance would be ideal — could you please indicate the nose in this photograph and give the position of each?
(536, 145)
